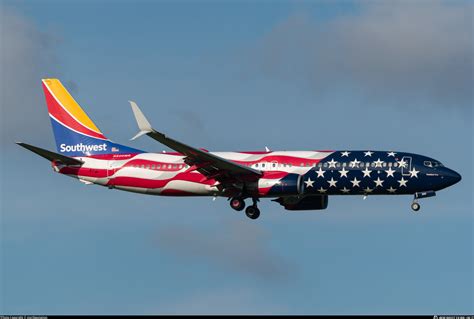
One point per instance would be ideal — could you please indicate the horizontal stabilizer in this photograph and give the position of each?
(51, 155)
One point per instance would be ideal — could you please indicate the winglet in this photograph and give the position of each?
(143, 124)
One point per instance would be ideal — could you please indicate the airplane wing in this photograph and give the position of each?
(210, 165)
(51, 155)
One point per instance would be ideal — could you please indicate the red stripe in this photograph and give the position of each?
(86, 172)
(56, 110)
(263, 191)
(138, 182)
(274, 174)
(254, 152)
(158, 183)
(117, 157)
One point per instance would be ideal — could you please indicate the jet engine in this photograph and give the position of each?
(310, 202)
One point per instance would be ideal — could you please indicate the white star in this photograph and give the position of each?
(368, 153)
(354, 163)
(391, 189)
(355, 182)
(403, 182)
(346, 153)
(366, 172)
(332, 182)
(390, 172)
(402, 163)
(345, 190)
(414, 173)
(343, 172)
(378, 182)
(322, 190)
(320, 173)
(332, 163)
(309, 182)
(391, 154)
(368, 190)
(378, 163)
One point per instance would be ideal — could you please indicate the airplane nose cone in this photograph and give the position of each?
(452, 176)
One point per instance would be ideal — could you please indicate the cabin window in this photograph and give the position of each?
(152, 166)
(395, 165)
(143, 166)
(384, 164)
(325, 165)
(390, 164)
(169, 165)
(274, 165)
(158, 166)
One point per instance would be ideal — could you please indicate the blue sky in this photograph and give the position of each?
(238, 75)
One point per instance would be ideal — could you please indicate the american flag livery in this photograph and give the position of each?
(298, 180)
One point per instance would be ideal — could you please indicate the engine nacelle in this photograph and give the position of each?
(271, 186)
(309, 202)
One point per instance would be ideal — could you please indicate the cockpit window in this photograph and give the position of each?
(432, 164)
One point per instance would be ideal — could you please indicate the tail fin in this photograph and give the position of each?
(74, 131)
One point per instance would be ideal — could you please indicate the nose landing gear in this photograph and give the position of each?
(415, 206)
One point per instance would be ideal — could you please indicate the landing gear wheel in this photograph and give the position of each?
(237, 203)
(415, 206)
(252, 212)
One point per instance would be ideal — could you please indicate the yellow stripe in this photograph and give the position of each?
(68, 102)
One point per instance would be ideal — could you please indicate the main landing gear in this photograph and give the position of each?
(237, 203)
(252, 211)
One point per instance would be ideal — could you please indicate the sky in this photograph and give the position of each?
(238, 75)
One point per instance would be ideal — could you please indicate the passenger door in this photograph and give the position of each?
(407, 168)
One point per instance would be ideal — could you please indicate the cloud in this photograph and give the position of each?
(240, 247)
(238, 300)
(391, 52)
(28, 54)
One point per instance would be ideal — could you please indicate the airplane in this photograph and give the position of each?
(297, 180)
